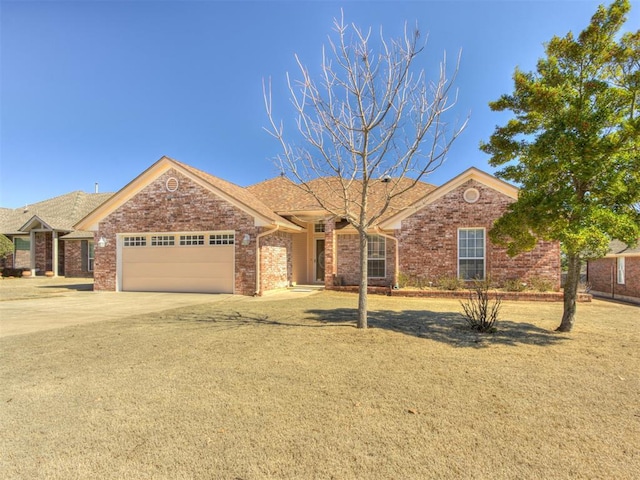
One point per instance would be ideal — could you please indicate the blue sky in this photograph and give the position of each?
(96, 91)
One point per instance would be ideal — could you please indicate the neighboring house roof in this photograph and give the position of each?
(58, 213)
(618, 248)
(287, 198)
(236, 195)
(433, 195)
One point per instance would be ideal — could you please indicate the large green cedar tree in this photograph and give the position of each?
(573, 146)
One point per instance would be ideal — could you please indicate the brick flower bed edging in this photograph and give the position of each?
(462, 294)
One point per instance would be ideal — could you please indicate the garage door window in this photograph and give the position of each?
(222, 239)
(162, 240)
(135, 241)
(186, 240)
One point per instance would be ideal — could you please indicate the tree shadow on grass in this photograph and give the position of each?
(445, 327)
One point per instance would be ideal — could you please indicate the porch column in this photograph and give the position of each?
(54, 253)
(32, 252)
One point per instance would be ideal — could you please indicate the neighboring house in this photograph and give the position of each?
(617, 275)
(44, 238)
(176, 228)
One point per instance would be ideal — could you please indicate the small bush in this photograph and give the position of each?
(12, 272)
(541, 284)
(450, 283)
(480, 312)
(514, 285)
(405, 280)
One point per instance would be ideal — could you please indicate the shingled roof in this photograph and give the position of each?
(59, 213)
(616, 247)
(287, 198)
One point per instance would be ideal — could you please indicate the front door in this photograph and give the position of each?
(319, 260)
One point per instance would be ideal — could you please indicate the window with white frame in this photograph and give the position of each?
(318, 227)
(471, 253)
(135, 241)
(162, 240)
(222, 239)
(90, 256)
(620, 268)
(376, 256)
(191, 239)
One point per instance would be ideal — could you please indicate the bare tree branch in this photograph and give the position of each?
(372, 116)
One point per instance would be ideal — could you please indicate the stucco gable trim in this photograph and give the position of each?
(91, 221)
(394, 222)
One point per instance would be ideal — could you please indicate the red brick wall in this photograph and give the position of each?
(191, 208)
(73, 260)
(348, 253)
(43, 252)
(276, 265)
(428, 240)
(22, 259)
(602, 276)
(330, 251)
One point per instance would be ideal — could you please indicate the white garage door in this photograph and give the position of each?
(199, 263)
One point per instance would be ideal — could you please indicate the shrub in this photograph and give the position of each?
(12, 272)
(541, 284)
(405, 280)
(480, 312)
(450, 283)
(514, 285)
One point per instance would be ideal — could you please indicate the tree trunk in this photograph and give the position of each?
(570, 292)
(362, 294)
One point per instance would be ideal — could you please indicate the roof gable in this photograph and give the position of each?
(234, 194)
(472, 173)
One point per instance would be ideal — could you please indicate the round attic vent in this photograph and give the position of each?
(471, 195)
(172, 184)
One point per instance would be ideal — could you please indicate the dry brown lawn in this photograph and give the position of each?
(269, 388)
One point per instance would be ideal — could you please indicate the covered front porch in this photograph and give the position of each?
(45, 254)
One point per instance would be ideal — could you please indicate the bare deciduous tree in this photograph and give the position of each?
(371, 118)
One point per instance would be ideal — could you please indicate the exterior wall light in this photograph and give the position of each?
(246, 239)
(103, 242)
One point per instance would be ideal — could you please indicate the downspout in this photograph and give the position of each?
(397, 262)
(258, 237)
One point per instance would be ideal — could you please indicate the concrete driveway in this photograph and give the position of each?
(32, 305)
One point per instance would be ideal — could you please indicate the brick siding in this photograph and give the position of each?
(602, 277)
(276, 265)
(428, 240)
(75, 265)
(348, 261)
(191, 208)
(43, 252)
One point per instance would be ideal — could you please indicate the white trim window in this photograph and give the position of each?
(471, 253)
(222, 239)
(162, 240)
(90, 255)
(621, 270)
(376, 256)
(135, 241)
(188, 240)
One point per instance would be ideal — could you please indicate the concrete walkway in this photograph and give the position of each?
(79, 307)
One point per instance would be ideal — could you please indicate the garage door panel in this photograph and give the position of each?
(179, 270)
(197, 268)
(186, 285)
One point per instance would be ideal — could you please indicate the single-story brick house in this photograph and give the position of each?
(617, 275)
(44, 239)
(177, 228)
